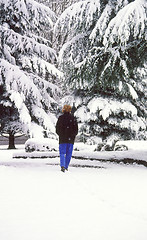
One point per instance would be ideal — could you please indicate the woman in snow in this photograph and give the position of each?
(67, 129)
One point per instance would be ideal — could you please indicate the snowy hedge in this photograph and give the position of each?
(43, 144)
(130, 145)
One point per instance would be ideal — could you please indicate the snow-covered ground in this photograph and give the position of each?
(106, 201)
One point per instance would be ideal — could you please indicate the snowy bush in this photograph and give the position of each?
(103, 147)
(94, 140)
(80, 146)
(43, 144)
(130, 145)
(121, 147)
(113, 138)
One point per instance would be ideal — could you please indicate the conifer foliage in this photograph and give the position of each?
(102, 51)
(28, 76)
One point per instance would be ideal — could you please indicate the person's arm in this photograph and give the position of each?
(75, 127)
(58, 126)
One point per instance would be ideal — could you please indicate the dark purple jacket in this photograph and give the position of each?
(67, 128)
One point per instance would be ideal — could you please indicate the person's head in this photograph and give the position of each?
(66, 109)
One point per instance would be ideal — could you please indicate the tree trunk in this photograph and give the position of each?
(11, 141)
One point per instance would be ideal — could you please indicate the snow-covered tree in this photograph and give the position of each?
(102, 51)
(28, 76)
(10, 124)
(58, 6)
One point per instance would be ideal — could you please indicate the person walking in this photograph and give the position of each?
(67, 129)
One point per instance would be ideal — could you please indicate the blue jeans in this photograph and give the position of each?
(65, 150)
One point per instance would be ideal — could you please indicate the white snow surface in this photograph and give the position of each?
(38, 201)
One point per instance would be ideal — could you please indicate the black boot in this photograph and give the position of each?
(62, 169)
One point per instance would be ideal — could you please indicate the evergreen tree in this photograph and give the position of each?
(58, 6)
(10, 124)
(28, 76)
(102, 51)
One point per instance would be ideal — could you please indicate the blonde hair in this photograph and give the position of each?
(66, 108)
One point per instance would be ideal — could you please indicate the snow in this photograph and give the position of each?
(48, 148)
(82, 114)
(67, 46)
(119, 27)
(106, 107)
(22, 82)
(20, 86)
(134, 144)
(26, 7)
(132, 91)
(41, 144)
(95, 199)
(46, 119)
(101, 24)
(38, 201)
(79, 10)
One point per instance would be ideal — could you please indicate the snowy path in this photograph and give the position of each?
(38, 202)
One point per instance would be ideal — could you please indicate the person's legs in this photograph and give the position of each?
(69, 150)
(62, 150)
